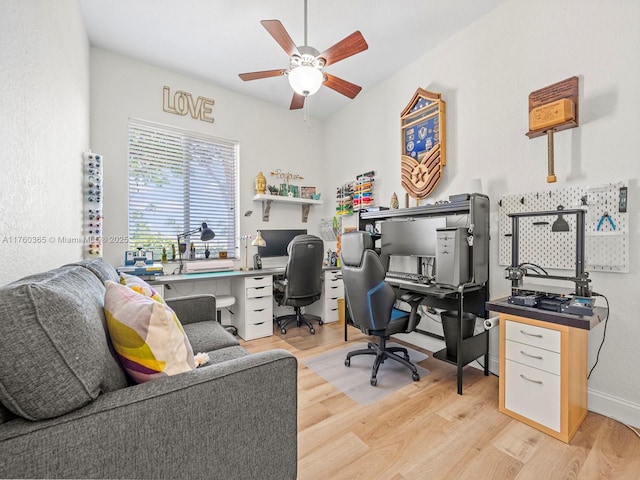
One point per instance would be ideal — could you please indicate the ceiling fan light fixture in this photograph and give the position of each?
(305, 80)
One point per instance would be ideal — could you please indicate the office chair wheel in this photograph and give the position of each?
(415, 377)
(283, 330)
(312, 330)
(347, 362)
(374, 381)
(320, 322)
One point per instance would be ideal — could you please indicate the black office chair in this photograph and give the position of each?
(302, 282)
(371, 303)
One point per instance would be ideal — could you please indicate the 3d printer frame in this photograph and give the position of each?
(516, 273)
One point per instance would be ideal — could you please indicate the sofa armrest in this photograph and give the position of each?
(193, 308)
(219, 421)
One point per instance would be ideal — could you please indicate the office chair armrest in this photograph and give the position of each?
(414, 300)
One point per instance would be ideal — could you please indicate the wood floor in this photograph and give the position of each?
(427, 431)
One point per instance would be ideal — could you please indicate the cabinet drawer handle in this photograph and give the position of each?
(539, 382)
(537, 335)
(261, 310)
(537, 357)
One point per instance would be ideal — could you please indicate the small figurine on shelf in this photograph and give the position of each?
(207, 252)
(261, 183)
(394, 201)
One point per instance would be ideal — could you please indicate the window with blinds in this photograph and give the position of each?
(177, 181)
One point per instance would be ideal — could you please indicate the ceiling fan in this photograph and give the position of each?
(306, 65)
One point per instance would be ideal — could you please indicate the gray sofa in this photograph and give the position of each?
(68, 409)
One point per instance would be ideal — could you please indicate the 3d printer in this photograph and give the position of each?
(576, 301)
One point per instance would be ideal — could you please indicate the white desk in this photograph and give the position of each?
(252, 313)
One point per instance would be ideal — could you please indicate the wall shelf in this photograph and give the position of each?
(268, 199)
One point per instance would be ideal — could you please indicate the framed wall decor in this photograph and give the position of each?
(423, 143)
(307, 192)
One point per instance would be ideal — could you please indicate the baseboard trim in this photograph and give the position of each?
(614, 407)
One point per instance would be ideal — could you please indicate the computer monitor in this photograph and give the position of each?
(277, 242)
(411, 237)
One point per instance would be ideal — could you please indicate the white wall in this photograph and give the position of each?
(485, 75)
(44, 128)
(270, 138)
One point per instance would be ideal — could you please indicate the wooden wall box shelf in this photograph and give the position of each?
(551, 114)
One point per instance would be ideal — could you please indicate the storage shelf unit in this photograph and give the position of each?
(333, 289)
(253, 311)
(543, 374)
(473, 212)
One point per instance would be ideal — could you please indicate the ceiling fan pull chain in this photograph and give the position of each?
(307, 118)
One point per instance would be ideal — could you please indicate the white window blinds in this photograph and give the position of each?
(177, 181)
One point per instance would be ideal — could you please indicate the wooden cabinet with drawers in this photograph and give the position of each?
(543, 374)
(253, 310)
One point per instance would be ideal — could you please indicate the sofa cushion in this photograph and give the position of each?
(146, 334)
(208, 336)
(101, 269)
(54, 356)
(137, 284)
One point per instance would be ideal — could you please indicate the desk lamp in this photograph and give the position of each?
(258, 241)
(206, 234)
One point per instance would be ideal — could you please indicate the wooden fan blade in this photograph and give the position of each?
(278, 32)
(263, 74)
(347, 89)
(354, 43)
(297, 101)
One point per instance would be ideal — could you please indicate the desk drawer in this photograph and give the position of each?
(254, 292)
(532, 335)
(258, 304)
(332, 276)
(252, 282)
(533, 356)
(259, 316)
(533, 394)
(334, 290)
(258, 330)
(330, 312)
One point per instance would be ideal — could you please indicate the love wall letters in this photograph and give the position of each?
(183, 103)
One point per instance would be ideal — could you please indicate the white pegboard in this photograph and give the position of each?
(607, 236)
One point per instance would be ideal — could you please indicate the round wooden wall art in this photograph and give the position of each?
(423, 143)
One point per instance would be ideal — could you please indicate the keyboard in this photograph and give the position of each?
(409, 277)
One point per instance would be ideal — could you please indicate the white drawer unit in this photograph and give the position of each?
(543, 374)
(253, 311)
(333, 290)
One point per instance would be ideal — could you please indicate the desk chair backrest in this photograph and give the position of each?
(369, 298)
(304, 270)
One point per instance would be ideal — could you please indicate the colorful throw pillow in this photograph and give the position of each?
(147, 335)
(139, 285)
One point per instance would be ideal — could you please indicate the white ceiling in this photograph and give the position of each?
(217, 39)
